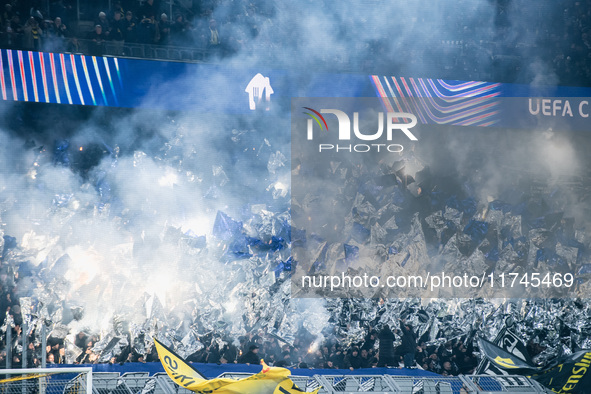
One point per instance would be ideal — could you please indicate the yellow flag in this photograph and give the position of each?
(289, 387)
(271, 380)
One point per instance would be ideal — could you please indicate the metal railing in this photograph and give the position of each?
(47, 381)
(148, 51)
(160, 383)
(201, 53)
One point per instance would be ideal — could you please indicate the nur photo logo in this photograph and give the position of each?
(352, 131)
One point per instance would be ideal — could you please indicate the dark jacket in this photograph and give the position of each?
(354, 362)
(409, 340)
(369, 341)
(386, 338)
(250, 358)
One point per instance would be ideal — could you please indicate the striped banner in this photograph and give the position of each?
(437, 101)
(58, 78)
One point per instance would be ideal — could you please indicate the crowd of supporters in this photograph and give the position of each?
(29, 26)
(380, 348)
(552, 40)
(383, 347)
(25, 25)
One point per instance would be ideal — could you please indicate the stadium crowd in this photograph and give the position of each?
(25, 25)
(554, 36)
(380, 348)
(30, 26)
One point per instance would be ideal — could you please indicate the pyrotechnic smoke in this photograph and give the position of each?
(113, 224)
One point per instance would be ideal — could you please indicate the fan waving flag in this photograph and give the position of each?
(505, 360)
(510, 342)
(271, 380)
(569, 374)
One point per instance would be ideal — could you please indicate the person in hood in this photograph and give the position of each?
(386, 347)
(409, 344)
